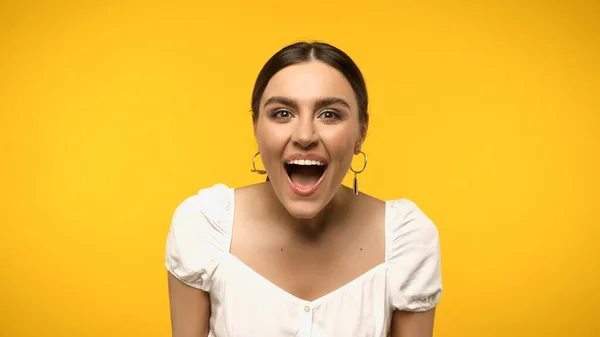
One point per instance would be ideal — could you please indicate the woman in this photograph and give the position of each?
(301, 254)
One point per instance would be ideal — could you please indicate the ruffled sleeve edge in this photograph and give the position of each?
(196, 237)
(413, 258)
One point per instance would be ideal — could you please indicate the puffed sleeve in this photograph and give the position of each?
(413, 255)
(197, 237)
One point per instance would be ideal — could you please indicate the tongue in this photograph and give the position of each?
(305, 176)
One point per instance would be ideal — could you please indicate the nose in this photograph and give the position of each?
(305, 135)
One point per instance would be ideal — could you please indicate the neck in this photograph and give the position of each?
(325, 222)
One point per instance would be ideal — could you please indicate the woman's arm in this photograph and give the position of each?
(413, 324)
(190, 309)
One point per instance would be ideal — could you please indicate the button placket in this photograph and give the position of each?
(306, 321)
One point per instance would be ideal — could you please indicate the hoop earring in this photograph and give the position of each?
(254, 165)
(356, 173)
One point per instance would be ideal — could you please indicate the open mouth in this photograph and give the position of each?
(305, 174)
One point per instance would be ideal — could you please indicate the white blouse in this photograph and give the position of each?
(243, 303)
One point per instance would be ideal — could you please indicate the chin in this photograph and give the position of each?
(304, 209)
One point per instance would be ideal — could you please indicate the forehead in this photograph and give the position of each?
(308, 81)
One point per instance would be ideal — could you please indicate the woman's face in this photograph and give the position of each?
(308, 131)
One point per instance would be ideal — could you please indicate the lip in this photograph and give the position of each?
(306, 156)
(305, 192)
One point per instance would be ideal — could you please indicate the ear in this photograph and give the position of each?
(254, 126)
(361, 140)
(358, 147)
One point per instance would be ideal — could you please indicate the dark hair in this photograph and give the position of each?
(307, 51)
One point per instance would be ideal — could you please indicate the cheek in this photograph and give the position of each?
(339, 141)
(341, 145)
(271, 143)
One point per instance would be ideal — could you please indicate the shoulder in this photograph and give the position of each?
(211, 202)
(407, 224)
(199, 233)
(203, 213)
(413, 257)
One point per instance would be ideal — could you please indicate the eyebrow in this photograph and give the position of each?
(319, 104)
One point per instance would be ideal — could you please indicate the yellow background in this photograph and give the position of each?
(484, 113)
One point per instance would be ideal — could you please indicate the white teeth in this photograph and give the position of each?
(304, 162)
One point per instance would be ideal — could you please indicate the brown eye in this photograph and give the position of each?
(281, 113)
(329, 114)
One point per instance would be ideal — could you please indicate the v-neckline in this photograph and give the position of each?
(229, 217)
(314, 303)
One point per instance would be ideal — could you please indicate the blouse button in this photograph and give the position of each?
(306, 308)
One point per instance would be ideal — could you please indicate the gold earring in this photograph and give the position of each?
(254, 165)
(355, 184)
